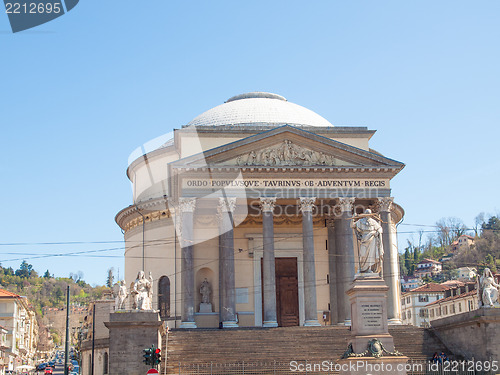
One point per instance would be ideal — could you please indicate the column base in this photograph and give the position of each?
(394, 322)
(230, 324)
(312, 323)
(270, 323)
(188, 325)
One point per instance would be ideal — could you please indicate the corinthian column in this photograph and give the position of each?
(226, 262)
(311, 310)
(269, 271)
(390, 261)
(345, 261)
(186, 207)
(332, 270)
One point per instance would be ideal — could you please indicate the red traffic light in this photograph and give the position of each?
(157, 351)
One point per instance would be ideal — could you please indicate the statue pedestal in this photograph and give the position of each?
(368, 298)
(130, 332)
(205, 308)
(370, 336)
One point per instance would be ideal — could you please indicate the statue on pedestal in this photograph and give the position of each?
(488, 289)
(370, 249)
(205, 291)
(121, 295)
(142, 291)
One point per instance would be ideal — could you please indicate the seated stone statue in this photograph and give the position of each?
(142, 291)
(488, 289)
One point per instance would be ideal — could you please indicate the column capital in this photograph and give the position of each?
(267, 204)
(187, 204)
(385, 204)
(226, 204)
(346, 204)
(307, 203)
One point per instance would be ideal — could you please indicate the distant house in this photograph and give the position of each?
(464, 242)
(428, 267)
(414, 301)
(410, 282)
(466, 273)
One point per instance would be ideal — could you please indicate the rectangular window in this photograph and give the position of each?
(432, 313)
(459, 307)
(423, 298)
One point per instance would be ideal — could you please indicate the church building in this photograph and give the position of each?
(245, 217)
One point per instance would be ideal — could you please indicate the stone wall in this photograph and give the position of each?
(130, 332)
(474, 334)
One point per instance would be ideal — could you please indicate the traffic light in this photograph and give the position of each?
(157, 357)
(148, 356)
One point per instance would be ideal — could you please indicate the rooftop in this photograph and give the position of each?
(6, 293)
(447, 299)
(429, 288)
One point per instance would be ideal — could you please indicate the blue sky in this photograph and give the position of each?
(80, 93)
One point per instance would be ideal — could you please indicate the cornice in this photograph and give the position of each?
(131, 216)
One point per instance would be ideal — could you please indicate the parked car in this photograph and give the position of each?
(49, 370)
(41, 366)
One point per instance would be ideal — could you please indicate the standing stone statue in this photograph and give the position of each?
(205, 291)
(121, 296)
(142, 291)
(370, 249)
(488, 289)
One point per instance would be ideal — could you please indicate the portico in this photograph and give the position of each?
(263, 212)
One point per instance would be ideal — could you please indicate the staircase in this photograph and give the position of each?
(282, 345)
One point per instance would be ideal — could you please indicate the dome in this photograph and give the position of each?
(259, 108)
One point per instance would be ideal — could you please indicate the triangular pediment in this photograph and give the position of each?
(287, 146)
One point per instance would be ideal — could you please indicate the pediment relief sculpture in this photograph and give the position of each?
(285, 153)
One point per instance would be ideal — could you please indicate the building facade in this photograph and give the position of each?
(94, 335)
(4, 356)
(413, 303)
(19, 320)
(410, 282)
(255, 198)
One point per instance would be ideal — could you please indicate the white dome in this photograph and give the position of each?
(259, 108)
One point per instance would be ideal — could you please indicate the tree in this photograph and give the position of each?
(25, 270)
(110, 279)
(489, 261)
(408, 261)
(46, 275)
(478, 223)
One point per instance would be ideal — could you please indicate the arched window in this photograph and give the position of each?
(164, 297)
(106, 363)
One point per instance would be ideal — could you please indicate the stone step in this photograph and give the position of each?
(222, 347)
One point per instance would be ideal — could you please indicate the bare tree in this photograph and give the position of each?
(478, 223)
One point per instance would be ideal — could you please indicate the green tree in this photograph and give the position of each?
(408, 260)
(46, 275)
(25, 270)
(110, 279)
